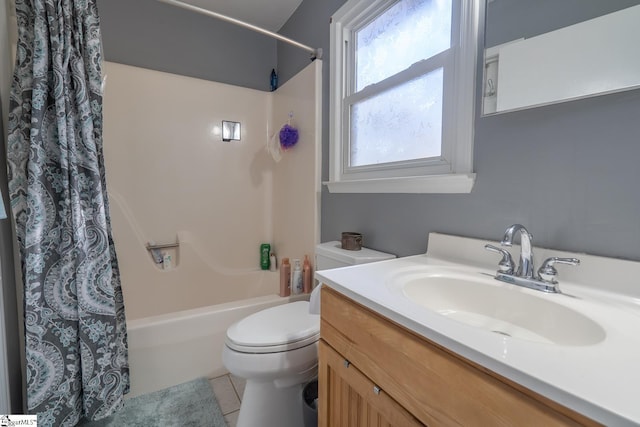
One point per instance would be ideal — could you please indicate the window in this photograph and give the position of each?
(402, 96)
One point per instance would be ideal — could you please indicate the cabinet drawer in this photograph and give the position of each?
(435, 385)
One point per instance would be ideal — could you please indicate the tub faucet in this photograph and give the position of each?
(525, 265)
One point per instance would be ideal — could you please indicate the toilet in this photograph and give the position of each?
(276, 350)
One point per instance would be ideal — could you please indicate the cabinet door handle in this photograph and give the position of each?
(376, 389)
(346, 363)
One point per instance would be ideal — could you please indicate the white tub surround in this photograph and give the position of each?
(173, 179)
(598, 377)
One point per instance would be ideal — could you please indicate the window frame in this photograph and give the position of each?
(452, 172)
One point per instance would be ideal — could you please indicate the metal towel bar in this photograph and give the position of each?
(164, 246)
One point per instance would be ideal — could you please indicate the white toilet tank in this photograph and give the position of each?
(331, 255)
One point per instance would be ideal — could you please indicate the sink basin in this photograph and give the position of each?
(503, 309)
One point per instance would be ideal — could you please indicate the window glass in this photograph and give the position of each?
(402, 96)
(403, 123)
(407, 32)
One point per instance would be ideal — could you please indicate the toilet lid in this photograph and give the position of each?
(281, 328)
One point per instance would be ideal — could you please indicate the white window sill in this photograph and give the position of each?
(450, 183)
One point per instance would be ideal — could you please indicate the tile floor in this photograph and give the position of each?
(228, 390)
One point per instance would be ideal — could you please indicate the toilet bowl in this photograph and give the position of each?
(276, 351)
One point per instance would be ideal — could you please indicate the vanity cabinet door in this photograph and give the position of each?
(436, 386)
(347, 398)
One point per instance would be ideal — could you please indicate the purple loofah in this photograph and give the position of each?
(288, 137)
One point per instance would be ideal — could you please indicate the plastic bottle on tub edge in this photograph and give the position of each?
(307, 277)
(296, 278)
(273, 263)
(265, 250)
(285, 278)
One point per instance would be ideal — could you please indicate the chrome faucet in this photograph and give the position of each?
(543, 280)
(526, 265)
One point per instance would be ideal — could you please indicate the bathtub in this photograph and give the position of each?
(173, 348)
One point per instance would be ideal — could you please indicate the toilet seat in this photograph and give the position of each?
(281, 328)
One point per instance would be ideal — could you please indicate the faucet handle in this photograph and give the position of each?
(506, 263)
(547, 271)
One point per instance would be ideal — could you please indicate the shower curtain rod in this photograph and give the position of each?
(315, 53)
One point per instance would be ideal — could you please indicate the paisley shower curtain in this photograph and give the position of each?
(75, 332)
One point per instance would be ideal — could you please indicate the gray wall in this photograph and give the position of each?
(568, 172)
(158, 36)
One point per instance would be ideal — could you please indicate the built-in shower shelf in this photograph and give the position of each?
(163, 246)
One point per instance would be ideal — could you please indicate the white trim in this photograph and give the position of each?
(318, 155)
(449, 183)
(337, 85)
(458, 112)
(466, 81)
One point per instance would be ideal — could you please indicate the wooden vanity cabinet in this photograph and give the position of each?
(374, 372)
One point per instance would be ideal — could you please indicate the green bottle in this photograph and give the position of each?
(265, 250)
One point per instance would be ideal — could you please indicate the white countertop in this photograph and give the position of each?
(601, 381)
